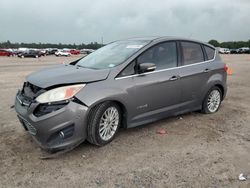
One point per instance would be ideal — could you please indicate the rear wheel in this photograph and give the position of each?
(103, 124)
(212, 102)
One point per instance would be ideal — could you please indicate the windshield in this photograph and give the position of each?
(112, 54)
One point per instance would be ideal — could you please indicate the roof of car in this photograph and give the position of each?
(163, 38)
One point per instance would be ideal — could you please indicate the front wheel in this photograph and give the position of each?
(212, 101)
(103, 124)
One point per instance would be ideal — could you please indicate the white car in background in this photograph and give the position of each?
(86, 51)
(224, 51)
(62, 53)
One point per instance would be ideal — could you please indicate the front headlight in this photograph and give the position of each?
(60, 93)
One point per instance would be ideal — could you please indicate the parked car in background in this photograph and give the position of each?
(224, 51)
(29, 53)
(75, 52)
(62, 53)
(125, 84)
(234, 51)
(82, 51)
(51, 51)
(86, 51)
(4, 52)
(43, 52)
(13, 51)
(243, 50)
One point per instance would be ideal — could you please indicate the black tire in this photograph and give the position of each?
(205, 108)
(93, 135)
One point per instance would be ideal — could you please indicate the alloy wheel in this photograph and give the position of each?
(109, 123)
(213, 101)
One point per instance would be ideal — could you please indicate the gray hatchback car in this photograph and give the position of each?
(123, 84)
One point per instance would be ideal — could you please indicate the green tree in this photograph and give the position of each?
(215, 43)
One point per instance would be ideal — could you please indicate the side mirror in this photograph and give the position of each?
(146, 67)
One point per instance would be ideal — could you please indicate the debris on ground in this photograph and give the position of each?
(161, 131)
(242, 177)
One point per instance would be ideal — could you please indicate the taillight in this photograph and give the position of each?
(225, 67)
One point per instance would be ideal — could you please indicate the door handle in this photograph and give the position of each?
(173, 78)
(206, 70)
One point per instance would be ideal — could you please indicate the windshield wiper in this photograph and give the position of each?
(80, 66)
(86, 67)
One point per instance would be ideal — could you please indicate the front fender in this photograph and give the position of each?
(95, 93)
(98, 92)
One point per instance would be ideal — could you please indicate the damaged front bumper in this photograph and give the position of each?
(53, 126)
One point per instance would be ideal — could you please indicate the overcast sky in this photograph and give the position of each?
(77, 21)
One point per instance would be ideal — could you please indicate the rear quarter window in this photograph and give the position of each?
(210, 52)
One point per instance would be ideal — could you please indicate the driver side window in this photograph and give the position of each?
(163, 55)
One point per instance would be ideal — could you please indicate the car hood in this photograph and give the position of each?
(66, 74)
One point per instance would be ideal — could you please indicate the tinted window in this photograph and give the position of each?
(163, 55)
(209, 52)
(192, 53)
(129, 70)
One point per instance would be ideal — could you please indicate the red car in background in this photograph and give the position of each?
(5, 53)
(75, 52)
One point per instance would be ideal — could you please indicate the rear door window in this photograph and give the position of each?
(210, 52)
(192, 53)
